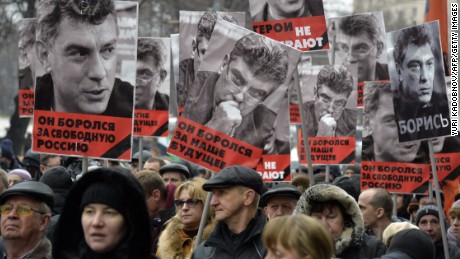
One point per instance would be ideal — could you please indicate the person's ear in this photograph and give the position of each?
(380, 212)
(43, 55)
(44, 222)
(156, 194)
(249, 196)
(224, 65)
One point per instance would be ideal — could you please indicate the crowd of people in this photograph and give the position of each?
(51, 208)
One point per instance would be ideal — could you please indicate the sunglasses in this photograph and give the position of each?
(190, 203)
(21, 210)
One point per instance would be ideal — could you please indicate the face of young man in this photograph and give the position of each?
(358, 51)
(286, 8)
(148, 79)
(417, 73)
(385, 134)
(82, 62)
(237, 83)
(329, 102)
(199, 52)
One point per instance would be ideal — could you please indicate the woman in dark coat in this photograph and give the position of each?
(340, 214)
(105, 216)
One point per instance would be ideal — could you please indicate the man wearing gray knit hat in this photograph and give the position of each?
(428, 220)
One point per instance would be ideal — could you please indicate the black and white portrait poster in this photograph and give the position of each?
(233, 113)
(358, 41)
(386, 162)
(418, 82)
(152, 87)
(84, 102)
(329, 104)
(195, 29)
(300, 24)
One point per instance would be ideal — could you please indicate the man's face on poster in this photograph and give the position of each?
(358, 51)
(385, 134)
(238, 83)
(286, 8)
(82, 62)
(199, 48)
(148, 80)
(417, 73)
(327, 101)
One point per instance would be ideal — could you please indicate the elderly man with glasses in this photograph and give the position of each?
(25, 214)
(326, 115)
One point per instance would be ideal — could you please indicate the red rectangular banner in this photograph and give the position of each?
(151, 123)
(327, 150)
(275, 167)
(210, 148)
(82, 135)
(395, 177)
(26, 103)
(306, 33)
(447, 166)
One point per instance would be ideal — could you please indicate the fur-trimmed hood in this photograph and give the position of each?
(172, 239)
(353, 232)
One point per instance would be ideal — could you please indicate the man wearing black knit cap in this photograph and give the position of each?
(236, 192)
(428, 221)
(25, 214)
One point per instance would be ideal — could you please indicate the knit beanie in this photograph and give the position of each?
(7, 148)
(105, 194)
(57, 178)
(25, 176)
(430, 208)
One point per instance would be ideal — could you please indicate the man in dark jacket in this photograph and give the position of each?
(236, 193)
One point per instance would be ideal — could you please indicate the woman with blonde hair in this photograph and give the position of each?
(178, 238)
(297, 237)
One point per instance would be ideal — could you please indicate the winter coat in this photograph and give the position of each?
(223, 244)
(174, 243)
(68, 240)
(41, 251)
(353, 242)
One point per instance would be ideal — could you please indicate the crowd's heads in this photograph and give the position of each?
(18, 175)
(195, 199)
(6, 146)
(393, 229)
(174, 173)
(428, 209)
(412, 242)
(266, 58)
(57, 177)
(52, 12)
(280, 200)
(299, 235)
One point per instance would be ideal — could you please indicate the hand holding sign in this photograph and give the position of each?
(226, 117)
(326, 126)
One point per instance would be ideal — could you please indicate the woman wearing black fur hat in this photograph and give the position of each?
(105, 216)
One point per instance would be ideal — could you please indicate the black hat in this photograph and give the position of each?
(33, 189)
(413, 242)
(236, 175)
(104, 193)
(145, 155)
(57, 177)
(430, 209)
(282, 189)
(31, 159)
(174, 167)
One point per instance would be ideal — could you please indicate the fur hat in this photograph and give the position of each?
(353, 232)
